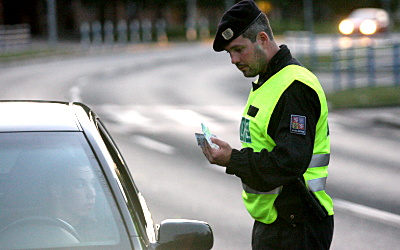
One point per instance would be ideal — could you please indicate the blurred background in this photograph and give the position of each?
(148, 69)
(66, 17)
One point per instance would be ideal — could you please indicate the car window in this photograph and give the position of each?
(53, 193)
(135, 201)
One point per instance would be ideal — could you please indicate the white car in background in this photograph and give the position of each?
(365, 21)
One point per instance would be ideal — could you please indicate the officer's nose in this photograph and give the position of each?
(234, 58)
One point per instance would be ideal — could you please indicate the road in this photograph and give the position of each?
(153, 101)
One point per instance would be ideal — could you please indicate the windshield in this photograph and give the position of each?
(53, 193)
(364, 14)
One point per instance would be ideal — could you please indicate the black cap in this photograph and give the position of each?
(234, 22)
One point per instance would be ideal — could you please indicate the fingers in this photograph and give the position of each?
(219, 142)
(220, 156)
(206, 150)
(215, 140)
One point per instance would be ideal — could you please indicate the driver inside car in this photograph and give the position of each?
(73, 198)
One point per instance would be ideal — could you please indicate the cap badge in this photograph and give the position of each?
(227, 34)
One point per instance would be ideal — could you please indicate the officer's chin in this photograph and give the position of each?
(248, 74)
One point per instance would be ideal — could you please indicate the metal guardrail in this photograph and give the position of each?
(366, 66)
(96, 33)
(136, 31)
(354, 61)
(14, 36)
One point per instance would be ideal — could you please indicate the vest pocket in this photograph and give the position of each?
(252, 111)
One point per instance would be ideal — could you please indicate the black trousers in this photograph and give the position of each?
(313, 234)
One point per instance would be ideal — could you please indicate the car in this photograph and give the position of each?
(65, 185)
(365, 21)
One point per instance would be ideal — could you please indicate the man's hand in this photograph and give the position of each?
(220, 156)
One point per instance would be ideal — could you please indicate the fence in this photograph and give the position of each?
(366, 66)
(14, 36)
(135, 31)
(97, 33)
(349, 62)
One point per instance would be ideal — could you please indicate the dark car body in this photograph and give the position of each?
(65, 185)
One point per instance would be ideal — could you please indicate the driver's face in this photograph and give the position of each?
(78, 195)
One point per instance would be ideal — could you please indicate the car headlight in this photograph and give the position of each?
(346, 27)
(368, 27)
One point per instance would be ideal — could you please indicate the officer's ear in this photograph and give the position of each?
(262, 38)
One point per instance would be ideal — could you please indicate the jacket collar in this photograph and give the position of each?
(281, 59)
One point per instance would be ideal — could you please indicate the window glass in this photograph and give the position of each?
(135, 201)
(53, 193)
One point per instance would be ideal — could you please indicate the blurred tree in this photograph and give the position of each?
(1, 12)
(70, 12)
(210, 3)
(26, 10)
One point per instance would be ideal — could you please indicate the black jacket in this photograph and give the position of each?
(264, 171)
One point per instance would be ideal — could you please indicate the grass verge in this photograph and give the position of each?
(365, 97)
(26, 54)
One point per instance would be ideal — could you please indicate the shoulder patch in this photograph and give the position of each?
(298, 124)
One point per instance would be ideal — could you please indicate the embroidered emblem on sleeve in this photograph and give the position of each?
(298, 124)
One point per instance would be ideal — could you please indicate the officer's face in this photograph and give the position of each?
(248, 57)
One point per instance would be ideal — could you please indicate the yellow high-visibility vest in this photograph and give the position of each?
(253, 134)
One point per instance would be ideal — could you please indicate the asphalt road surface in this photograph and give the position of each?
(153, 101)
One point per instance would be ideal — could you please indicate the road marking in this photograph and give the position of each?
(130, 117)
(75, 94)
(368, 212)
(75, 90)
(146, 117)
(153, 144)
(187, 117)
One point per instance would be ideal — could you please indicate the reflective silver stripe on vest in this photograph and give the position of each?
(314, 185)
(249, 190)
(319, 160)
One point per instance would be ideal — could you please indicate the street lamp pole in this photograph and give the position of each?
(191, 9)
(229, 3)
(309, 26)
(308, 15)
(52, 21)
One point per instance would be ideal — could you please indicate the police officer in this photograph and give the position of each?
(285, 137)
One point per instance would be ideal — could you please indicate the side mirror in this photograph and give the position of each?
(184, 234)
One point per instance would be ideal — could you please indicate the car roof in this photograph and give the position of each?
(368, 12)
(18, 116)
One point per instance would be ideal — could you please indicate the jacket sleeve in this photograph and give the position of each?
(264, 171)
